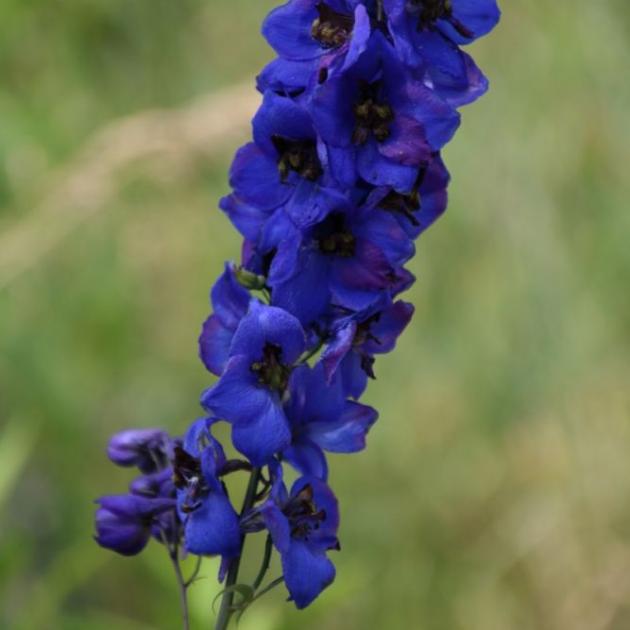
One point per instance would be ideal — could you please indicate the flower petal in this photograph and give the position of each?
(269, 325)
(391, 323)
(306, 573)
(347, 433)
(214, 345)
(265, 435)
(307, 458)
(236, 397)
(213, 528)
(337, 349)
(288, 30)
(256, 180)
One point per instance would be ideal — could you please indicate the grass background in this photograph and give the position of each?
(495, 493)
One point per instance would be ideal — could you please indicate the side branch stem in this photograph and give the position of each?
(265, 563)
(225, 612)
(183, 587)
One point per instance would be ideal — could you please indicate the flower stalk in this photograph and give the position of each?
(227, 599)
(343, 174)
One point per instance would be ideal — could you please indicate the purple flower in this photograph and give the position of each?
(379, 121)
(283, 167)
(322, 419)
(124, 523)
(358, 338)
(461, 21)
(144, 448)
(349, 260)
(418, 208)
(267, 343)
(314, 40)
(343, 174)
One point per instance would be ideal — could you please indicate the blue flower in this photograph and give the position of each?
(303, 526)
(322, 419)
(125, 523)
(288, 77)
(230, 302)
(461, 21)
(416, 209)
(349, 259)
(314, 40)
(267, 343)
(211, 525)
(343, 174)
(379, 121)
(166, 526)
(284, 166)
(357, 339)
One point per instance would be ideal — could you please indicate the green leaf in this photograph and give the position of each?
(244, 590)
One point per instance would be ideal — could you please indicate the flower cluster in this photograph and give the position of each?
(125, 523)
(343, 174)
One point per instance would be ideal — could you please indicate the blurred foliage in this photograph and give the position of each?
(495, 493)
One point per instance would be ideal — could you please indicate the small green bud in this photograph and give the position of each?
(250, 280)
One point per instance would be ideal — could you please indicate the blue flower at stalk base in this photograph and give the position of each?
(303, 527)
(125, 523)
(211, 525)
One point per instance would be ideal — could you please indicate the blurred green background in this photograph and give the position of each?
(495, 493)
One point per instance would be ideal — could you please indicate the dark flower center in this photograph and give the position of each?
(187, 475)
(334, 238)
(270, 371)
(303, 514)
(331, 29)
(429, 11)
(372, 115)
(299, 156)
(405, 204)
(364, 332)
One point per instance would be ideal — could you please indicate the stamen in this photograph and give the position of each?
(430, 11)
(334, 238)
(371, 115)
(331, 29)
(405, 204)
(270, 371)
(299, 156)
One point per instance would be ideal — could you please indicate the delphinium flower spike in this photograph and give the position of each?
(342, 175)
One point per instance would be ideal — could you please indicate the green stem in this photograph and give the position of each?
(265, 563)
(195, 573)
(225, 612)
(183, 595)
(269, 587)
(309, 354)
